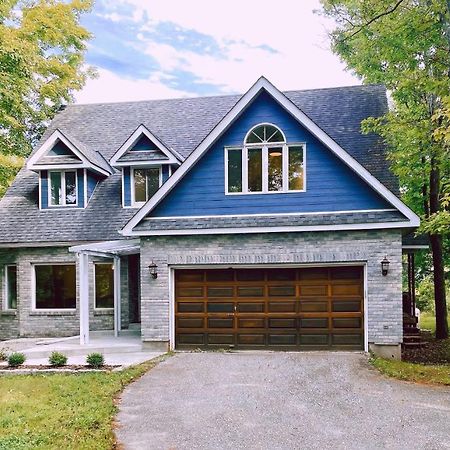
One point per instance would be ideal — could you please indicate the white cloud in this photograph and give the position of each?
(109, 87)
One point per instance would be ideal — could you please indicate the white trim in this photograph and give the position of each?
(85, 187)
(286, 229)
(63, 189)
(84, 297)
(231, 116)
(415, 247)
(117, 296)
(153, 162)
(123, 187)
(174, 267)
(33, 163)
(134, 203)
(94, 284)
(6, 305)
(40, 188)
(143, 130)
(33, 286)
(318, 213)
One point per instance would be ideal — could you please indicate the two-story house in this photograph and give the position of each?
(266, 220)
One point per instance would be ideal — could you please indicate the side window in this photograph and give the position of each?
(145, 183)
(104, 285)
(10, 301)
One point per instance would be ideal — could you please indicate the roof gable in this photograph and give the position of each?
(144, 146)
(60, 151)
(262, 85)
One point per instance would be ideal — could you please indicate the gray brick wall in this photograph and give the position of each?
(384, 292)
(26, 322)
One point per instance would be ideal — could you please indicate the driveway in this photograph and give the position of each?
(264, 400)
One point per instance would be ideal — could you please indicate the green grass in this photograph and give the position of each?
(419, 373)
(62, 411)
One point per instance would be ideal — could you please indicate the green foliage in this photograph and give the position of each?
(425, 294)
(62, 411)
(95, 360)
(16, 359)
(41, 65)
(57, 359)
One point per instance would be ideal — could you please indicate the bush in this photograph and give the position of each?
(95, 360)
(16, 359)
(57, 359)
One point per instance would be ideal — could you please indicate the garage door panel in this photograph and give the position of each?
(301, 308)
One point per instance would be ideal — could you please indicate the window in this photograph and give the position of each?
(104, 285)
(10, 287)
(63, 188)
(55, 286)
(145, 183)
(265, 164)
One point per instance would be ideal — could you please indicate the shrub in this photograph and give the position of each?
(16, 359)
(57, 359)
(95, 360)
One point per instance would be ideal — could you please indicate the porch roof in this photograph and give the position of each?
(109, 248)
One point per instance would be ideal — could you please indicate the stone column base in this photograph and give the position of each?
(157, 346)
(388, 351)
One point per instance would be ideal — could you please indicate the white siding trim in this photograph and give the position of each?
(233, 114)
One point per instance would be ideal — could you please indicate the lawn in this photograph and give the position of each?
(62, 411)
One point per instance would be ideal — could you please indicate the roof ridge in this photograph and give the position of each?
(123, 102)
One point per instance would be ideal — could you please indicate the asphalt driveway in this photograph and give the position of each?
(265, 400)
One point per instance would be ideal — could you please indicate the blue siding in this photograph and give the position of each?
(165, 172)
(92, 181)
(44, 189)
(80, 179)
(331, 185)
(127, 186)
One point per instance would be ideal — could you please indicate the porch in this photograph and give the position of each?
(114, 251)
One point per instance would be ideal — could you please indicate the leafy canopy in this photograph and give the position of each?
(42, 47)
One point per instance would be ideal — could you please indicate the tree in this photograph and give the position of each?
(42, 46)
(405, 45)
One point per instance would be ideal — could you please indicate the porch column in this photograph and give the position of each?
(117, 295)
(84, 298)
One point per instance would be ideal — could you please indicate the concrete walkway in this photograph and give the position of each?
(279, 401)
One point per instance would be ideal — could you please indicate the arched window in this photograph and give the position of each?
(265, 164)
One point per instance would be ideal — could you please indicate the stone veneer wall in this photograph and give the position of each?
(25, 322)
(384, 292)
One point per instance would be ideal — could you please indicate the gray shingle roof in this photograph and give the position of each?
(187, 223)
(181, 124)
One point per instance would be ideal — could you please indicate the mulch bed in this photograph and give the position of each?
(433, 352)
(68, 367)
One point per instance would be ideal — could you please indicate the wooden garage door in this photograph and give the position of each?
(301, 308)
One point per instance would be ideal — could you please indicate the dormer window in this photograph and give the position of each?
(265, 164)
(145, 182)
(63, 188)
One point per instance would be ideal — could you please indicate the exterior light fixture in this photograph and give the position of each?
(385, 266)
(153, 268)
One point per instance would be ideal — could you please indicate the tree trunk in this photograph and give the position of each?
(438, 259)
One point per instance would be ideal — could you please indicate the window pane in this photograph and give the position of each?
(71, 188)
(55, 286)
(152, 181)
(273, 134)
(11, 287)
(234, 170)
(295, 168)
(55, 188)
(139, 185)
(276, 169)
(255, 170)
(256, 135)
(104, 286)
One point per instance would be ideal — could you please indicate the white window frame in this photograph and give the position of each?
(6, 305)
(63, 189)
(134, 203)
(96, 263)
(33, 287)
(265, 168)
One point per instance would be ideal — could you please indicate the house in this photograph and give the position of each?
(266, 220)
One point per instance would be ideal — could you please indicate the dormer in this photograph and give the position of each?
(146, 163)
(68, 171)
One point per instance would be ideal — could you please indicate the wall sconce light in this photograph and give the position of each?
(385, 266)
(153, 268)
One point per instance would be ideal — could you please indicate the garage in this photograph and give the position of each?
(314, 308)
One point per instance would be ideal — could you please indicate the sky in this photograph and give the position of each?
(152, 49)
